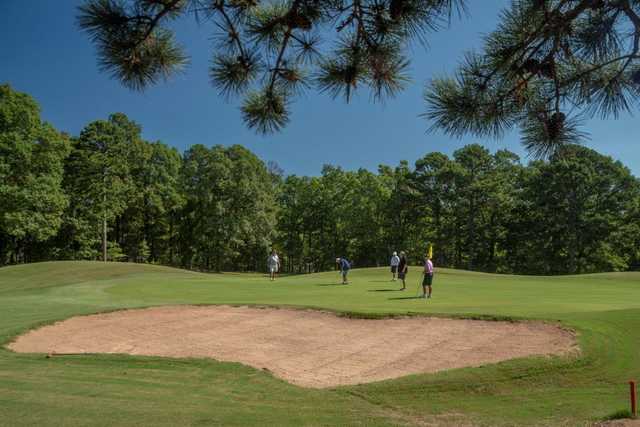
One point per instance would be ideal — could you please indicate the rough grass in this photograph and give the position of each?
(621, 414)
(125, 390)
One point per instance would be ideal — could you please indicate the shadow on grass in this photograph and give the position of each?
(331, 284)
(406, 298)
(384, 290)
(622, 414)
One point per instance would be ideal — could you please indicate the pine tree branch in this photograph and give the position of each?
(234, 32)
(153, 22)
(567, 17)
(285, 42)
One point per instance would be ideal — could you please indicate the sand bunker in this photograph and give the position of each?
(305, 347)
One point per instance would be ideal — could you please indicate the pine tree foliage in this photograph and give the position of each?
(269, 52)
(549, 65)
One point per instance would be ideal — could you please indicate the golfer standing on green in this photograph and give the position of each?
(394, 266)
(344, 266)
(427, 280)
(273, 263)
(403, 268)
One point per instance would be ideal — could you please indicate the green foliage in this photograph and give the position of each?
(98, 179)
(228, 217)
(31, 168)
(545, 58)
(114, 176)
(222, 208)
(483, 211)
(266, 111)
(130, 44)
(114, 252)
(146, 229)
(268, 52)
(233, 74)
(574, 215)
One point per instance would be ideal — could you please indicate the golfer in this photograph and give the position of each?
(395, 260)
(344, 266)
(403, 269)
(427, 280)
(273, 263)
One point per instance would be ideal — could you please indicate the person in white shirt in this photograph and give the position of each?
(273, 263)
(427, 280)
(395, 260)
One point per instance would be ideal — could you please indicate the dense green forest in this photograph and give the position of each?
(108, 191)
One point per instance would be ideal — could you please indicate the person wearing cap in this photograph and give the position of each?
(344, 266)
(427, 280)
(395, 260)
(273, 263)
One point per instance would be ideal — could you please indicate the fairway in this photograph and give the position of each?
(102, 389)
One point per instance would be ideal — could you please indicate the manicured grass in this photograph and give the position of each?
(125, 390)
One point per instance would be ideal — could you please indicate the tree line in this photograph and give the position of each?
(109, 194)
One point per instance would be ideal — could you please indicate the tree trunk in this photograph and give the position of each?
(171, 239)
(104, 228)
(104, 238)
(471, 225)
(573, 232)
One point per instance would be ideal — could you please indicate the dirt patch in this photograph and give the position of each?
(305, 347)
(619, 423)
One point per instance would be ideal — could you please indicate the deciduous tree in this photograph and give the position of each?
(31, 168)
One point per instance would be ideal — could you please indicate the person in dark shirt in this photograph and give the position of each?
(344, 266)
(403, 268)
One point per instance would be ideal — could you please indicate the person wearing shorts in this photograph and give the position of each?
(273, 263)
(427, 280)
(403, 268)
(395, 260)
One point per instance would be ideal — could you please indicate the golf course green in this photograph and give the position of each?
(604, 309)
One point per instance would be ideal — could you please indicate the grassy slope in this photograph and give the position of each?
(108, 390)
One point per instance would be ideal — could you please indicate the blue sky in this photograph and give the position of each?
(44, 54)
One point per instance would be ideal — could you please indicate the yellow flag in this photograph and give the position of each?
(430, 253)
